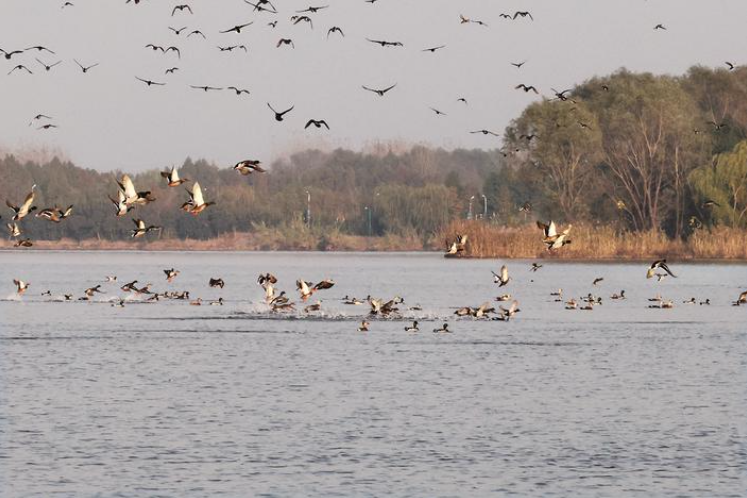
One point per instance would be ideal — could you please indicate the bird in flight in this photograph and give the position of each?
(47, 127)
(196, 32)
(48, 66)
(279, 115)
(298, 19)
(659, 263)
(385, 43)
(177, 32)
(523, 14)
(205, 88)
(238, 27)
(518, 64)
(172, 176)
(660, 26)
(312, 10)
(562, 95)
(433, 49)
(232, 48)
(260, 6)
(40, 48)
(149, 82)
(38, 117)
(380, 93)
(317, 123)
(181, 8)
(20, 67)
(83, 68)
(438, 113)
(285, 41)
(526, 88)
(10, 54)
(141, 230)
(175, 49)
(171, 70)
(485, 132)
(730, 65)
(238, 91)
(335, 29)
(249, 166)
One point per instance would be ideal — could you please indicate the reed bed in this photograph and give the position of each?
(485, 240)
(589, 242)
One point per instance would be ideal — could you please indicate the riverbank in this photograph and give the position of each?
(484, 241)
(598, 243)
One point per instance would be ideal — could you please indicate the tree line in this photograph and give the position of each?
(636, 151)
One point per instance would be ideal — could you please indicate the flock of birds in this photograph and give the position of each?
(306, 16)
(129, 198)
(282, 303)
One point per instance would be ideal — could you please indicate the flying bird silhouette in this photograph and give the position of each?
(279, 115)
(380, 93)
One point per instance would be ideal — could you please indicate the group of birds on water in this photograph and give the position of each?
(281, 302)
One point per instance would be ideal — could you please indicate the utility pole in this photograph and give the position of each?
(308, 209)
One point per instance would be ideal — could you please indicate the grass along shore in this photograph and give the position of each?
(485, 240)
(598, 243)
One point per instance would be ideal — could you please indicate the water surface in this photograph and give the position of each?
(169, 399)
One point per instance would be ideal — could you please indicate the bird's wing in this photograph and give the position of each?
(27, 202)
(128, 187)
(197, 194)
(504, 273)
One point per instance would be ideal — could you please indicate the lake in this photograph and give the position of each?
(169, 399)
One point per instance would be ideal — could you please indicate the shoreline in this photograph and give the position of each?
(367, 252)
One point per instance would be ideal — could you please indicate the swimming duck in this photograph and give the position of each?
(413, 327)
(363, 326)
(217, 282)
(507, 314)
(23, 243)
(444, 329)
(571, 305)
(313, 307)
(483, 310)
(219, 302)
(618, 296)
(283, 307)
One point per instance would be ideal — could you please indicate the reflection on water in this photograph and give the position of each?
(168, 399)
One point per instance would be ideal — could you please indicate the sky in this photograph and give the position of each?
(109, 120)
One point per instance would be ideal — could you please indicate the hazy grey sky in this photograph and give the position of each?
(109, 120)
